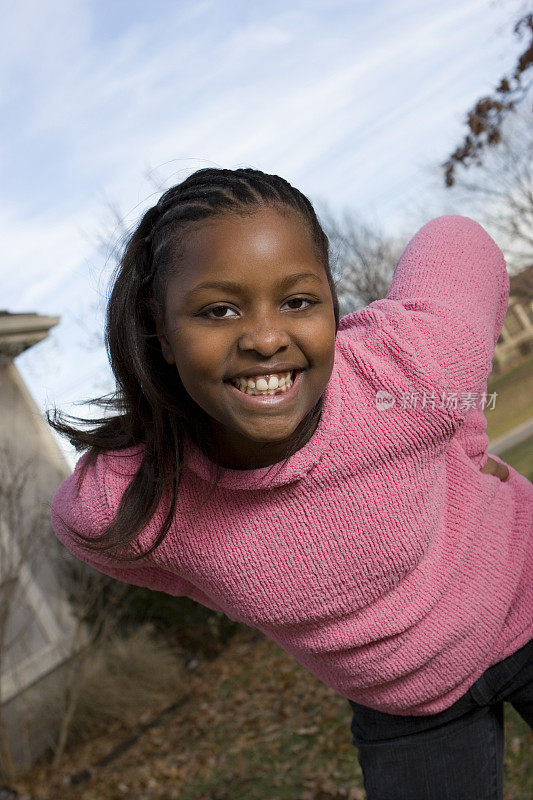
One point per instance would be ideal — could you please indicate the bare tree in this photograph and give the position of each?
(363, 259)
(499, 192)
(485, 119)
(491, 173)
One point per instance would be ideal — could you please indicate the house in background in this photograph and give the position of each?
(38, 633)
(516, 338)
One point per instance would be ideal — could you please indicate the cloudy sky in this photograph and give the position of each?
(104, 104)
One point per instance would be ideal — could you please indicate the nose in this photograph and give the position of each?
(265, 335)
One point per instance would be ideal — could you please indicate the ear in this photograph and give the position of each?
(166, 349)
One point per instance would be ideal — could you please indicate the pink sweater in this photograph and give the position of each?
(379, 556)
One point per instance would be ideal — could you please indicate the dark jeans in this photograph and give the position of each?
(456, 754)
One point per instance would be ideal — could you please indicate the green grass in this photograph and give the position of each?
(520, 457)
(294, 746)
(510, 375)
(514, 401)
(317, 762)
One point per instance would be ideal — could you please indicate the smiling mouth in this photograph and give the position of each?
(260, 385)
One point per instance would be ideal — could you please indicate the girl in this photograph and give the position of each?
(324, 481)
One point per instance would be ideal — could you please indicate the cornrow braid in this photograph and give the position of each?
(151, 406)
(209, 192)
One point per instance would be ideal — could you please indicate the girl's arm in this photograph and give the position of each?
(453, 281)
(88, 506)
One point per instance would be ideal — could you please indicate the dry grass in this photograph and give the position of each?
(118, 683)
(140, 671)
(256, 726)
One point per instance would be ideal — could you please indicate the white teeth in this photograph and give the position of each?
(260, 385)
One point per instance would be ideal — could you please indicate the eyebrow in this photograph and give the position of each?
(228, 286)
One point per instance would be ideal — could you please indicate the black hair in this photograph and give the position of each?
(150, 405)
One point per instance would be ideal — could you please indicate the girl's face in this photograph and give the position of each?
(250, 299)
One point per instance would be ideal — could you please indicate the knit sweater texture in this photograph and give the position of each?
(378, 555)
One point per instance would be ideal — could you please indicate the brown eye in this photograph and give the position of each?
(217, 312)
(299, 300)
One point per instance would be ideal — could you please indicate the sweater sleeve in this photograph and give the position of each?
(84, 505)
(453, 282)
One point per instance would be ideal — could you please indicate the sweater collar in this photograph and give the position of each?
(295, 468)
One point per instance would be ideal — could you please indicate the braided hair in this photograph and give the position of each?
(150, 406)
